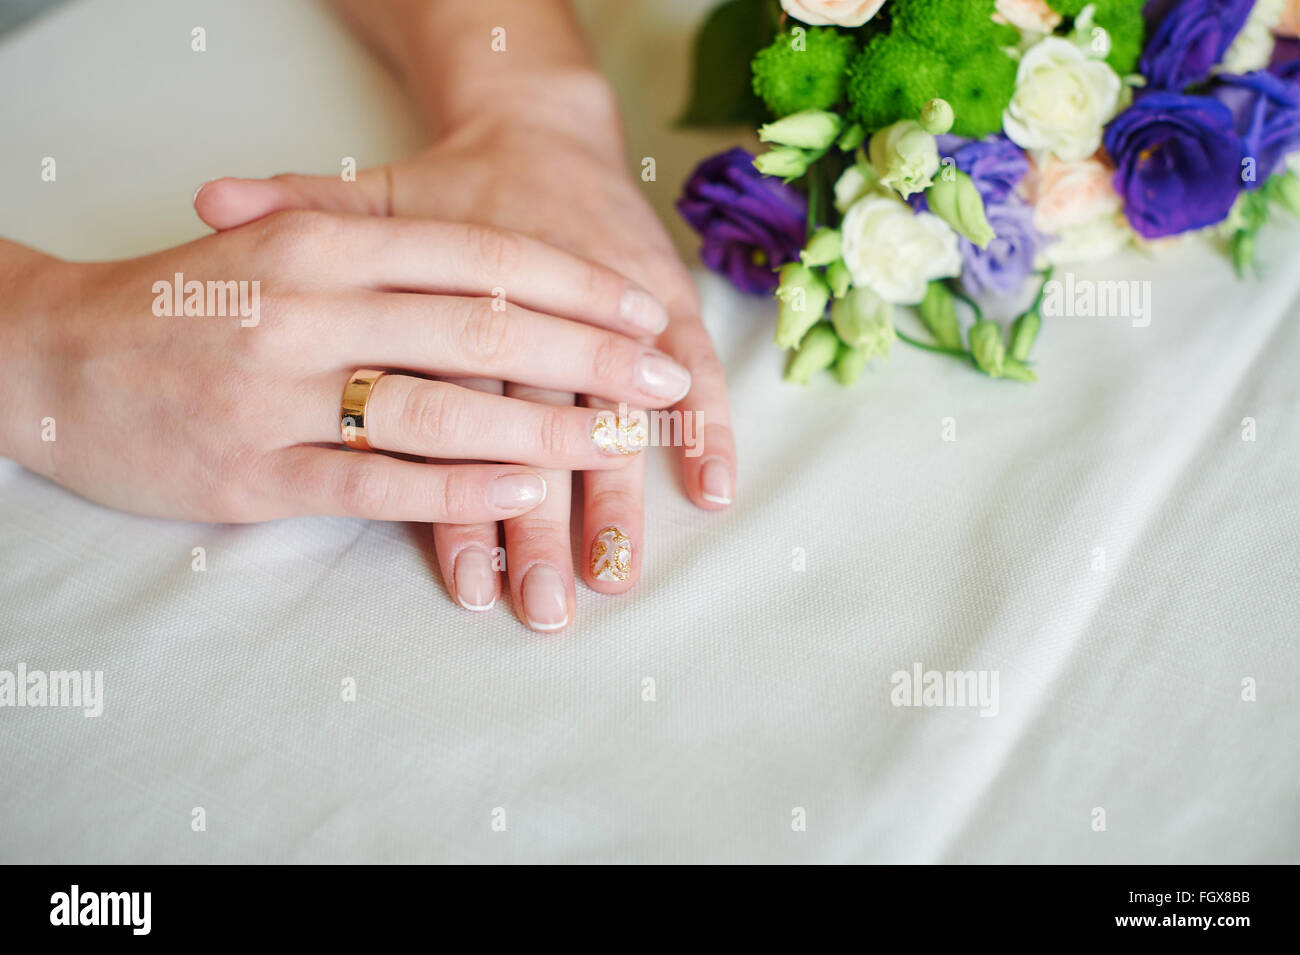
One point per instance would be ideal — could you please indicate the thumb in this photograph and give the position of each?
(227, 203)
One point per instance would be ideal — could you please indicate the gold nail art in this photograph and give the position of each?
(611, 555)
(619, 435)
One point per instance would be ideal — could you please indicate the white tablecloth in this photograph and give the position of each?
(1120, 688)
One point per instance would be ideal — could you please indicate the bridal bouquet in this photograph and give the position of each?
(947, 153)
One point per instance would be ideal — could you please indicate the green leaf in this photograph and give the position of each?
(721, 85)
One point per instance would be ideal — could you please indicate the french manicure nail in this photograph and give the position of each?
(546, 606)
(475, 579)
(611, 555)
(517, 492)
(638, 307)
(715, 481)
(661, 377)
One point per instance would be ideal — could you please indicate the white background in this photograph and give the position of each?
(1119, 689)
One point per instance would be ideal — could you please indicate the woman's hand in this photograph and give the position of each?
(549, 163)
(115, 388)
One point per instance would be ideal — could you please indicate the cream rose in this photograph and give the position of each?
(1032, 16)
(1062, 100)
(840, 13)
(1253, 47)
(894, 252)
(1076, 203)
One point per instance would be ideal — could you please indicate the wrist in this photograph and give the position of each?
(28, 282)
(579, 101)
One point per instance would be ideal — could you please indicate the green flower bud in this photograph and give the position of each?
(905, 157)
(1023, 332)
(823, 248)
(937, 117)
(818, 351)
(1017, 371)
(803, 297)
(956, 201)
(1243, 253)
(1284, 189)
(786, 162)
(939, 315)
(852, 138)
(812, 129)
(864, 320)
(849, 364)
(838, 278)
(986, 345)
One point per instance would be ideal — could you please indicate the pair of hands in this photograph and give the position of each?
(199, 418)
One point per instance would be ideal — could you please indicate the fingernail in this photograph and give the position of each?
(546, 605)
(475, 579)
(200, 188)
(611, 555)
(661, 377)
(517, 492)
(715, 481)
(619, 435)
(643, 310)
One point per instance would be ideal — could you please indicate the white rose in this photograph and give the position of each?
(1032, 16)
(840, 13)
(1253, 47)
(904, 156)
(894, 252)
(1062, 100)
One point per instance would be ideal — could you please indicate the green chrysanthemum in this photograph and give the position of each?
(979, 91)
(951, 28)
(809, 73)
(1123, 20)
(893, 79)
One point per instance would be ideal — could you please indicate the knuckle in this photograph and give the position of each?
(497, 250)
(366, 488)
(553, 433)
(612, 502)
(533, 534)
(456, 495)
(293, 234)
(609, 360)
(485, 331)
(429, 414)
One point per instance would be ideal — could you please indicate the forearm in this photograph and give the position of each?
(460, 58)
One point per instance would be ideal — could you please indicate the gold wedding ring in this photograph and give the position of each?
(356, 396)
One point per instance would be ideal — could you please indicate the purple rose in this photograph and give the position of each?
(1003, 267)
(751, 224)
(1266, 115)
(1190, 40)
(1178, 162)
(995, 164)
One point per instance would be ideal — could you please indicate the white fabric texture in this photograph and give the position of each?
(1120, 688)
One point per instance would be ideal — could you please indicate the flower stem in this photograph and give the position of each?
(961, 296)
(1042, 290)
(814, 200)
(954, 352)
